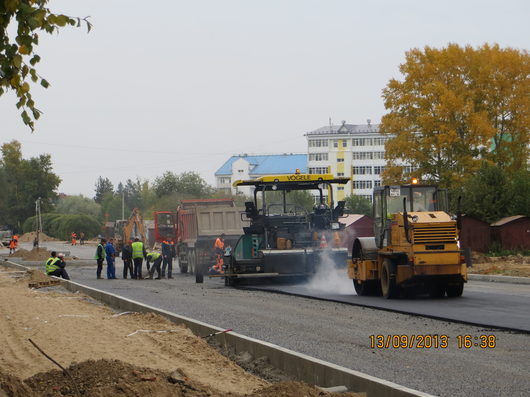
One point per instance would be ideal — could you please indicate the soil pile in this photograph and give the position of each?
(36, 254)
(30, 236)
(118, 379)
(510, 265)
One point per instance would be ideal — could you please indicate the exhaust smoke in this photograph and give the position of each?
(331, 277)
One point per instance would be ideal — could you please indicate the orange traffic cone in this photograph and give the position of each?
(323, 242)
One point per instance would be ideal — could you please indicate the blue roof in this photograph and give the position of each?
(268, 164)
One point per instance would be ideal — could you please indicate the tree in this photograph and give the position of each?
(103, 187)
(187, 183)
(488, 195)
(454, 107)
(17, 53)
(25, 181)
(520, 193)
(78, 205)
(356, 204)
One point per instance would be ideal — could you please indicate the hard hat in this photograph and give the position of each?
(60, 255)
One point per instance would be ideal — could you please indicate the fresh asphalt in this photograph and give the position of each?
(341, 333)
(503, 306)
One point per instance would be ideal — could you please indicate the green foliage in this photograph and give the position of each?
(103, 187)
(488, 194)
(78, 205)
(111, 207)
(520, 193)
(17, 50)
(25, 180)
(62, 225)
(454, 107)
(188, 183)
(358, 205)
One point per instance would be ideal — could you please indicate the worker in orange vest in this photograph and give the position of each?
(219, 248)
(12, 246)
(74, 238)
(15, 237)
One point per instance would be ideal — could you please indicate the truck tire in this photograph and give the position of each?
(192, 261)
(437, 289)
(367, 288)
(389, 289)
(199, 278)
(454, 290)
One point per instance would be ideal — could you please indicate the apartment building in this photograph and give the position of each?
(350, 150)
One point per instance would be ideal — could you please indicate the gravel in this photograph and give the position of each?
(340, 333)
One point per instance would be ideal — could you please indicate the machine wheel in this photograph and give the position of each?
(231, 281)
(199, 278)
(437, 290)
(184, 267)
(366, 288)
(192, 261)
(455, 290)
(388, 280)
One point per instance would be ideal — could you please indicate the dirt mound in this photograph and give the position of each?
(36, 254)
(96, 378)
(29, 237)
(114, 378)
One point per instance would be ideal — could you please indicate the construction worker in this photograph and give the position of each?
(219, 248)
(167, 260)
(126, 256)
(55, 266)
(138, 255)
(110, 252)
(12, 246)
(74, 238)
(100, 257)
(156, 258)
(15, 237)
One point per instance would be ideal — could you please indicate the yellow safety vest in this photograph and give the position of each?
(138, 249)
(153, 256)
(51, 264)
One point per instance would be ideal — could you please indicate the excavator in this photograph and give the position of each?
(129, 229)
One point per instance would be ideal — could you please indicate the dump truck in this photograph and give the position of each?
(284, 238)
(194, 227)
(415, 248)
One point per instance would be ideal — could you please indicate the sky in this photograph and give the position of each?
(178, 86)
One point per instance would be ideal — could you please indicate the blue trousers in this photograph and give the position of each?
(111, 269)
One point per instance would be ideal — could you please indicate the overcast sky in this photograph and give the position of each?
(182, 85)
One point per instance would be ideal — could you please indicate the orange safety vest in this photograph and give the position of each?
(219, 244)
(12, 244)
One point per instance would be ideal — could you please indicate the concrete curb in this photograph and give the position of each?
(297, 365)
(499, 279)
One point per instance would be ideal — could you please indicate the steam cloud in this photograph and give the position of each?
(331, 278)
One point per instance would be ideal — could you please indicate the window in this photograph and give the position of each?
(340, 188)
(377, 183)
(379, 141)
(366, 170)
(318, 142)
(356, 142)
(340, 173)
(344, 143)
(335, 143)
(361, 155)
(379, 155)
(318, 156)
(378, 170)
(340, 160)
(366, 196)
(224, 180)
(362, 184)
(318, 170)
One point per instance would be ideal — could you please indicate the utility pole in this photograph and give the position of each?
(38, 221)
(122, 204)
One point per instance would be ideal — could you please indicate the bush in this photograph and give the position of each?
(61, 226)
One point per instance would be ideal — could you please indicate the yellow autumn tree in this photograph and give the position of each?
(455, 107)
(21, 23)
